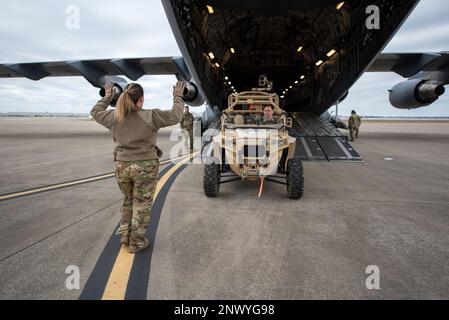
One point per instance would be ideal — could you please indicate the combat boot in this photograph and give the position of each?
(124, 240)
(134, 248)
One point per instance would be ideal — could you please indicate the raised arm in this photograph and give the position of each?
(165, 118)
(99, 112)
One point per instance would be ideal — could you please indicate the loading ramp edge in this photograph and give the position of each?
(318, 140)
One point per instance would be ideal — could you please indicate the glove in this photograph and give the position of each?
(109, 91)
(178, 89)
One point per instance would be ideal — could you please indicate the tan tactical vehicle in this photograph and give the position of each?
(251, 148)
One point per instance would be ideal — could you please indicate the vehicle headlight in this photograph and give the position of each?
(281, 142)
(276, 143)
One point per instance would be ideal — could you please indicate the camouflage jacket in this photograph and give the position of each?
(135, 137)
(354, 121)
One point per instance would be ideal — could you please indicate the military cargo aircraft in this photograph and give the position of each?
(312, 51)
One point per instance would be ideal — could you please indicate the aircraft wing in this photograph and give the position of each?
(409, 64)
(95, 70)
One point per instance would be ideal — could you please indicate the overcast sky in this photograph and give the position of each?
(32, 31)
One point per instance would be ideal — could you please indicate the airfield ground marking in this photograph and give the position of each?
(118, 279)
(70, 183)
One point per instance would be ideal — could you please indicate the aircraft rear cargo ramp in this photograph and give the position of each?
(318, 140)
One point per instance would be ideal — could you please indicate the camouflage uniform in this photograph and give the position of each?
(354, 123)
(269, 121)
(187, 124)
(137, 181)
(136, 155)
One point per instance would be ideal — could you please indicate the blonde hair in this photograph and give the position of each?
(126, 103)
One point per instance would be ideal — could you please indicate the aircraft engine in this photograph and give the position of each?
(192, 96)
(119, 87)
(415, 93)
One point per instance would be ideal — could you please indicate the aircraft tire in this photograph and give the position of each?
(295, 179)
(211, 180)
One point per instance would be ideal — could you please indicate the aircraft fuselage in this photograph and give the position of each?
(227, 45)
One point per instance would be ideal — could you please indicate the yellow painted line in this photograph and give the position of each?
(71, 183)
(118, 279)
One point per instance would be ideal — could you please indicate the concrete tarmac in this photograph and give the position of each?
(393, 214)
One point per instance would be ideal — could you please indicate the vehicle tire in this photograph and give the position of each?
(295, 179)
(211, 180)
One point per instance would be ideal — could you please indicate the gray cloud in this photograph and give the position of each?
(35, 31)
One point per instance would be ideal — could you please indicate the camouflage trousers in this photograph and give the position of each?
(190, 138)
(354, 133)
(137, 181)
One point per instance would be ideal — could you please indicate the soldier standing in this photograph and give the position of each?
(137, 157)
(354, 124)
(187, 124)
